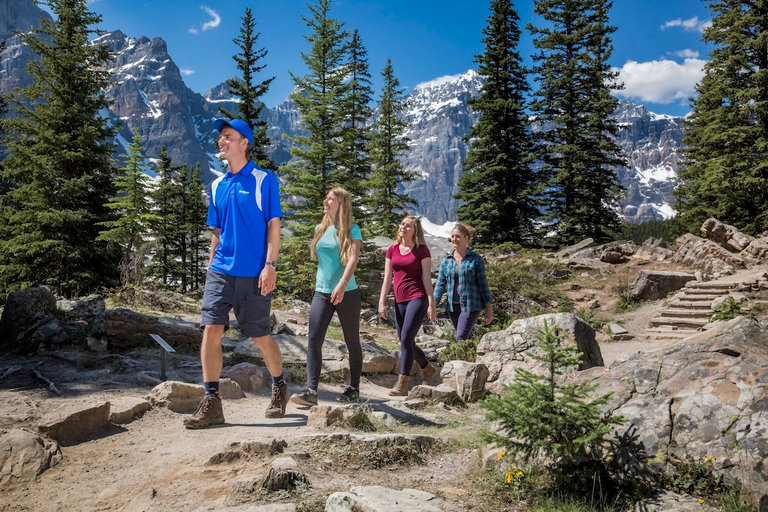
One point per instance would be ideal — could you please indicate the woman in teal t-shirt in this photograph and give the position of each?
(336, 248)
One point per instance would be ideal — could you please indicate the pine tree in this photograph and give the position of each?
(354, 162)
(164, 266)
(724, 170)
(250, 106)
(196, 229)
(59, 162)
(498, 186)
(573, 109)
(319, 98)
(388, 142)
(132, 228)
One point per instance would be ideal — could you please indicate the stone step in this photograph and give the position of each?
(679, 322)
(686, 313)
(669, 331)
(698, 297)
(691, 304)
(717, 292)
(711, 285)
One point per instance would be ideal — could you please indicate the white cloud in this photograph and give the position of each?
(187, 72)
(687, 54)
(690, 25)
(660, 81)
(214, 21)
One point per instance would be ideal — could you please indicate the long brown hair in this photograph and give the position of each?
(343, 226)
(418, 231)
(465, 229)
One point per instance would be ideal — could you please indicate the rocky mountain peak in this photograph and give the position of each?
(21, 15)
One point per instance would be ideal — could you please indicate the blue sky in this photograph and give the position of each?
(657, 45)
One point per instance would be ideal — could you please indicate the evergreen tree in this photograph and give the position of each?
(59, 162)
(354, 162)
(132, 228)
(573, 109)
(388, 142)
(196, 229)
(724, 170)
(319, 98)
(164, 266)
(498, 186)
(250, 106)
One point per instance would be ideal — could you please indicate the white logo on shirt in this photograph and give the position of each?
(244, 192)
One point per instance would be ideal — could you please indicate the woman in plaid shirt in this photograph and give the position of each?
(462, 278)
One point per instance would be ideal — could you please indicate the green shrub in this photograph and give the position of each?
(462, 350)
(639, 233)
(563, 423)
(729, 309)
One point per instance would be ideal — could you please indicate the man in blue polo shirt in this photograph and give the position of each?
(245, 214)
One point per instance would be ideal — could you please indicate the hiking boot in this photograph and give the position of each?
(349, 395)
(305, 397)
(429, 372)
(400, 388)
(278, 402)
(209, 412)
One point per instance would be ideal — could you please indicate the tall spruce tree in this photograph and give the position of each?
(354, 162)
(724, 170)
(164, 266)
(59, 162)
(498, 186)
(319, 98)
(196, 229)
(573, 109)
(387, 205)
(250, 107)
(131, 230)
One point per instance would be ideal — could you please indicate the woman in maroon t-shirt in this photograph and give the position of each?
(410, 263)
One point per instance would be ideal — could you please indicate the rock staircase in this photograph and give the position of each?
(689, 310)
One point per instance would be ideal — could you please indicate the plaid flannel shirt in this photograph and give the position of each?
(474, 293)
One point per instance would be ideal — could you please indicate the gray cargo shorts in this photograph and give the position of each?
(224, 293)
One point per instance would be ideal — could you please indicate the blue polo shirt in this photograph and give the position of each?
(241, 206)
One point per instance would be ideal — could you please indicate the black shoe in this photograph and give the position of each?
(304, 397)
(349, 395)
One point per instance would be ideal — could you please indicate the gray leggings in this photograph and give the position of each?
(320, 314)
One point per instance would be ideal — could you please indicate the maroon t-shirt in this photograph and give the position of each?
(407, 272)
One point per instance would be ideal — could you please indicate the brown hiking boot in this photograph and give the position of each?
(209, 412)
(429, 372)
(278, 402)
(400, 388)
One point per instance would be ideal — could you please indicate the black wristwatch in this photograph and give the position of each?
(272, 263)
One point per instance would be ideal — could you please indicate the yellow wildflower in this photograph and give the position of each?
(701, 501)
(519, 473)
(708, 459)
(508, 476)
(502, 454)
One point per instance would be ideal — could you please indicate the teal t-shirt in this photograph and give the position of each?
(329, 267)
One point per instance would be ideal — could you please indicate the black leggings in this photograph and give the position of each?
(408, 318)
(320, 314)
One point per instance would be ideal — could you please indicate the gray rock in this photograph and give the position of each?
(125, 409)
(729, 237)
(504, 351)
(666, 501)
(72, 421)
(573, 249)
(655, 249)
(376, 498)
(444, 393)
(467, 379)
(377, 359)
(24, 312)
(250, 377)
(176, 396)
(86, 308)
(25, 455)
(657, 284)
(124, 328)
(706, 255)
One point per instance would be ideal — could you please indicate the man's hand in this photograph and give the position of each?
(267, 279)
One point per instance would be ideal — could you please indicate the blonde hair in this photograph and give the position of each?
(343, 226)
(464, 229)
(418, 231)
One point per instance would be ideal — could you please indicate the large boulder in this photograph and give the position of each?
(706, 396)
(727, 236)
(75, 420)
(467, 379)
(376, 498)
(504, 351)
(25, 455)
(573, 249)
(657, 284)
(25, 312)
(87, 308)
(125, 329)
(706, 255)
(655, 249)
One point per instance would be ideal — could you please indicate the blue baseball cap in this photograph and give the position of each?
(238, 125)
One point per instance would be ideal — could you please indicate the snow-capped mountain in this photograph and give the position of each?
(149, 94)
